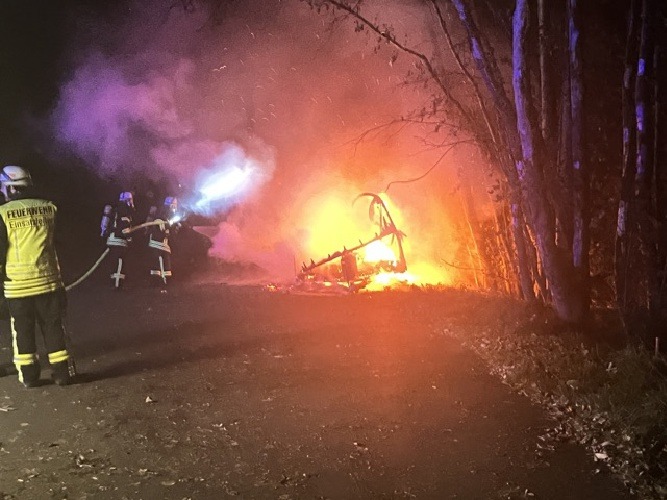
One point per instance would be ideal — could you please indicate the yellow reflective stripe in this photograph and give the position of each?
(58, 356)
(25, 289)
(24, 359)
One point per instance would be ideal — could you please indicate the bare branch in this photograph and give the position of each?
(391, 39)
(465, 72)
(437, 162)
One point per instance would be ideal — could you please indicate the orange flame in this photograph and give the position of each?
(336, 224)
(379, 251)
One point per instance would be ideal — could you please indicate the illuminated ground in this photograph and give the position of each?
(212, 391)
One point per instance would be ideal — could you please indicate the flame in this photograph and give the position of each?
(335, 224)
(332, 223)
(384, 280)
(379, 251)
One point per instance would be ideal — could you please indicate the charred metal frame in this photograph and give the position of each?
(387, 228)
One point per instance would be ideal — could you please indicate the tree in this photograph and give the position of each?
(640, 241)
(503, 120)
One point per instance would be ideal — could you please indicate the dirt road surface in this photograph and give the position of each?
(212, 391)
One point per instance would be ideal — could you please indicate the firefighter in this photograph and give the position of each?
(158, 238)
(31, 277)
(114, 220)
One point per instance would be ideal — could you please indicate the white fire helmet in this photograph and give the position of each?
(13, 175)
(127, 198)
(172, 203)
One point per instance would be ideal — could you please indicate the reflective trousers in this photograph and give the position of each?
(26, 313)
(161, 265)
(118, 266)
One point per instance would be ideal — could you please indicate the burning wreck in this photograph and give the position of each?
(374, 263)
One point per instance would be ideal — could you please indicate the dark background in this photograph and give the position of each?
(32, 40)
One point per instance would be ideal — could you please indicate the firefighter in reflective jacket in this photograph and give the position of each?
(158, 237)
(31, 277)
(114, 220)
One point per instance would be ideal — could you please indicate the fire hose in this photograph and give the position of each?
(156, 222)
(71, 364)
(89, 272)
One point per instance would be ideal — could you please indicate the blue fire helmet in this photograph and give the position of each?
(171, 202)
(127, 198)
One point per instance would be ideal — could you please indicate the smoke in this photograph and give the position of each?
(107, 120)
(258, 107)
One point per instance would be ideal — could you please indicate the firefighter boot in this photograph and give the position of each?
(60, 373)
(29, 374)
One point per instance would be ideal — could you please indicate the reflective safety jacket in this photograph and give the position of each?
(27, 229)
(122, 220)
(158, 238)
(160, 243)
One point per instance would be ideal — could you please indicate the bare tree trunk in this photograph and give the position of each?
(549, 29)
(537, 269)
(565, 234)
(646, 229)
(656, 182)
(475, 257)
(622, 251)
(580, 192)
(517, 224)
(489, 72)
(566, 296)
(658, 194)
(547, 104)
(505, 254)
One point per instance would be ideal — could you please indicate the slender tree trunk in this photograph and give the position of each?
(658, 202)
(645, 217)
(565, 230)
(476, 263)
(623, 226)
(657, 191)
(580, 192)
(504, 253)
(517, 223)
(537, 270)
(658, 194)
(549, 35)
(547, 100)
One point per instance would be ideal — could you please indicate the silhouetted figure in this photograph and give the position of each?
(114, 220)
(158, 238)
